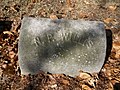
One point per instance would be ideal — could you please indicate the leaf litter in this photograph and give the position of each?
(10, 77)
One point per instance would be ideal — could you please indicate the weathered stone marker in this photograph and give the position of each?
(61, 46)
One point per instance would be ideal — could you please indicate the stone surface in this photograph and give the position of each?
(61, 46)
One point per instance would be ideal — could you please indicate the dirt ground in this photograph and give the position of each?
(11, 14)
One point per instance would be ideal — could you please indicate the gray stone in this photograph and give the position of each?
(61, 46)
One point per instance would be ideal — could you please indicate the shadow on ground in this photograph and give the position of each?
(109, 43)
(117, 86)
(5, 25)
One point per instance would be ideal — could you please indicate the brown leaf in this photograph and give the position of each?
(116, 45)
(86, 87)
(108, 20)
(83, 15)
(112, 7)
(11, 54)
(90, 82)
(33, 1)
(7, 32)
(112, 60)
(117, 54)
(84, 75)
(86, 2)
(53, 86)
(53, 17)
(4, 66)
(66, 82)
(68, 3)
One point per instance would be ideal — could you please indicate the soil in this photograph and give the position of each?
(11, 14)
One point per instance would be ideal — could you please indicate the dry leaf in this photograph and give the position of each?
(84, 75)
(11, 54)
(7, 32)
(116, 45)
(108, 73)
(68, 3)
(90, 82)
(86, 87)
(53, 86)
(4, 66)
(116, 70)
(86, 2)
(1, 71)
(9, 48)
(112, 7)
(117, 54)
(33, 1)
(66, 82)
(112, 61)
(53, 17)
(108, 20)
(111, 86)
(87, 78)
(83, 15)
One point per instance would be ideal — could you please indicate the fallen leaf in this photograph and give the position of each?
(68, 3)
(4, 66)
(90, 82)
(116, 70)
(33, 1)
(84, 75)
(112, 61)
(11, 54)
(116, 45)
(86, 87)
(53, 17)
(111, 86)
(53, 86)
(66, 82)
(112, 7)
(1, 72)
(117, 54)
(86, 2)
(108, 20)
(7, 32)
(83, 15)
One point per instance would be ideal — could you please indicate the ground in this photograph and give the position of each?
(11, 14)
